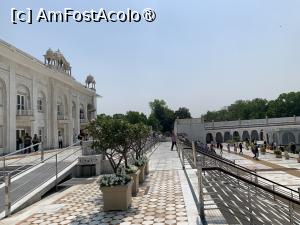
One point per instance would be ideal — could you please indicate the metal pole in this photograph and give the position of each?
(4, 166)
(7, 200)
(194, 152)
(200, 187)
(56, 172)
(183, 167)
(291, 211)
(256, 181)
(42, 155)
(237, 174)
(250, 205)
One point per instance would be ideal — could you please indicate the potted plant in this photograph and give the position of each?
(263, 150)
(141, 164)
(141, 134)
(278, 153)
(286, 155)
(113, 138)
(134, 173)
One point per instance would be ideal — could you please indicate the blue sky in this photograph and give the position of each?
(201, 54)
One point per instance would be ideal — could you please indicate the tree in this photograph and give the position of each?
(163, 114)
(118, 116)
(140, 133)
(112, 137)
(286, 105)
(136, 117)
(154, 123)
(183, 113)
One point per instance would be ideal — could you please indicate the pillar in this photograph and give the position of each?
(11, 110)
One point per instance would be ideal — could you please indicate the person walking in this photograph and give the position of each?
(241, 148)
(35, 142)
(255, 151)
(19, 143)
(60, 140)
(27, 143)
(235, 148)
(221, 148)
(173, 138)
(228, 147)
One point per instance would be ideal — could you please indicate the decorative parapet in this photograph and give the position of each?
(57, 61)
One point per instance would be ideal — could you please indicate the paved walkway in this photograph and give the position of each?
(164, 198)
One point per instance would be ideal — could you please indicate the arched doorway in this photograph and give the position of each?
(287, 138)
(227, 136)
(261, 135)
(254, 135)
(275, 138)
(236, 136)
(219, 137)
(209, 138)
(245, 136)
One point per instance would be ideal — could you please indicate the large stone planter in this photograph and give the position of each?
(136, 182)
(298, 160)
(278, 156)
(147, 168)
(263, 152)
(142, 173)
(117, 197)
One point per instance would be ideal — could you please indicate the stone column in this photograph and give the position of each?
(53, 115)
(34, 128)
(77, 120)
(11, 110)
(70, 124)
(95, 106)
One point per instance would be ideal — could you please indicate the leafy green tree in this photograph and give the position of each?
(163, 114)
(286, 105)
(112, 137)
(154, 123)
(118, 116)
(136, 117)
(183, 113)
(141, 133)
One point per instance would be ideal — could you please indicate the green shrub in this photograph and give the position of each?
(114, 180)
(277, 152)
(131, 169)
(141, 161)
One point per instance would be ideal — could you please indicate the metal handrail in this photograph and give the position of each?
(21, 150)
(244, 169)
(290, 205)
(64, 149)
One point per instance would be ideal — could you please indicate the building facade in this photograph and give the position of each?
(41, 98)
(281, 131)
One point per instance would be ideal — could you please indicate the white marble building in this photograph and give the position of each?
(41, 98)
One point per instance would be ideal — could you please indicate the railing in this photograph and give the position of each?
(23, 112)
(20, 159)
(33, 171)
(84, 120)
(248, 183)
(61, 117)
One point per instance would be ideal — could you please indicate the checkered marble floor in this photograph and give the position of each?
(163, 203)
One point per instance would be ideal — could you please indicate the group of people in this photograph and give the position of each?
(235, 146)
(28, 141)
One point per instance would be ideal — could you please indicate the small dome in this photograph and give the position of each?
(90, 77)
(49, 51)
